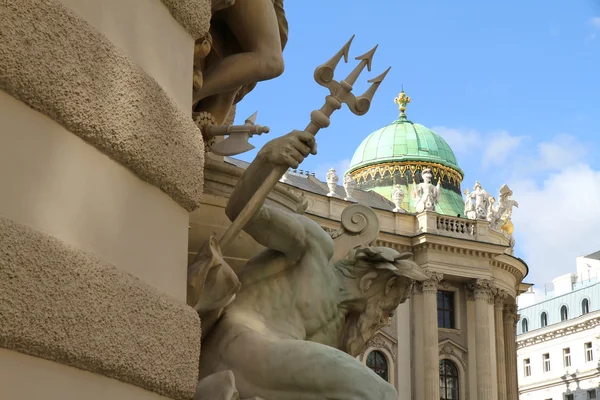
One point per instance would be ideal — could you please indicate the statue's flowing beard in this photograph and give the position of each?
(361, 327)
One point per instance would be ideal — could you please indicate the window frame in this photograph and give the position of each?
(590, 392)
(544, 319)
(524, 325)
(376, 352)
(452, 312)
(444, 379)
(585, 309)
(566, 318)
(567, 357)
(589, 352)
(527, 367)
(546, 367)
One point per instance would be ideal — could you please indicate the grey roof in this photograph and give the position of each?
(314, 185)
(594, 256)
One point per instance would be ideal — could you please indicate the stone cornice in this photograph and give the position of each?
(558, 332)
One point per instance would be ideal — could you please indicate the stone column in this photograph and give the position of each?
(482, 292)
(510, 350)
(431, 351)
(500, 296)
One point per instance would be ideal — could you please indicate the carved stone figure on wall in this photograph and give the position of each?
(297, 314)
(398, 198)
(332, 180)
(247, 38)
(425, 194)
(349, 187)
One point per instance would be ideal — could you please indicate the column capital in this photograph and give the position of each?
(510, 314)
(499, 296)
(431, 285)
(481, 289)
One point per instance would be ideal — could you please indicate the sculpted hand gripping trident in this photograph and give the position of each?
(340, 93)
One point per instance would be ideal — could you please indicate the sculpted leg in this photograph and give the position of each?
(255, 26)
(277, 369)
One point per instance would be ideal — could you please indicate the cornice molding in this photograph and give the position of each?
(558, 333)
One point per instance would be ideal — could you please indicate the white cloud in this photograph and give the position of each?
(499, 146)
(340, 167)
(462, 141)
(557, 220)
(595, 22)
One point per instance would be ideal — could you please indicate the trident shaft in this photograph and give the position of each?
(339, 93)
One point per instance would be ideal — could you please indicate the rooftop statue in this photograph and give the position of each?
(482, 201)
(500, 215)
(425, 194)
(469, 206)
(398, 198)
(290, 323)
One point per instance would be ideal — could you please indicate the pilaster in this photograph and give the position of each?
(510, 350)
(482, 292)
(430, 337)
(499, 298)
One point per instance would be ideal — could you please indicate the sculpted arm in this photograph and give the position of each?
(273, 228)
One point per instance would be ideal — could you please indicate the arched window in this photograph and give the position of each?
(585, 306)
(448, 380)
(377, 361)
(524, 325)
(544, 319)
(564, 315)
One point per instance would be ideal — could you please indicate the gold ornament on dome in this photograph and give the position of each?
(439, 171)
(402, 101)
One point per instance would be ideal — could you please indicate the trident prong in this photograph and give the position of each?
(363, 102)
(324, 72)
(365, 61)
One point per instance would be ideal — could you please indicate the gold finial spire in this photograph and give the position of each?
(402, 100)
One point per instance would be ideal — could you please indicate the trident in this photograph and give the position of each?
(340, 93)
(209, 299)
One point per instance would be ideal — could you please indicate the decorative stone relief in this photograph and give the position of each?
(398, 198)
(499, 297)
(510, 314)
(426, 195)
(378, 342)
(349, 187)
(449, 348)
(332, 180)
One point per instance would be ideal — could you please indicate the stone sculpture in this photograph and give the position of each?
(398, 198)
(294, 304)
(332, 180)
(425, 194)
(469, 206)
(482, 201)
(245, 46)
(349, 187)
(499, 216)
(297, 314)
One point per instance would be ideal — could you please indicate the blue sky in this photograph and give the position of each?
(512, 86)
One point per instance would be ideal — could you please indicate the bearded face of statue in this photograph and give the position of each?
(379, 304)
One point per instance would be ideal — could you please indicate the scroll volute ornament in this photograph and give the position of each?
(359, 228)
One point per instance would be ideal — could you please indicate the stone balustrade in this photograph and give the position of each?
(456, 226)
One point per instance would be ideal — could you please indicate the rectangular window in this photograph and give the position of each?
(546, 359)
(568, 397)
(527, 367)
(445, 309)
(567, 357)
(591, 394)
(589, 353)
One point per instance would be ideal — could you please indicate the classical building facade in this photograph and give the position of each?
(455, 337)
(558, 336)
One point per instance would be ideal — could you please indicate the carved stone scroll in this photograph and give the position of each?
(360, 228)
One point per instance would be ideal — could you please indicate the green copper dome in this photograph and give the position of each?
(396, 155)
(403, 140)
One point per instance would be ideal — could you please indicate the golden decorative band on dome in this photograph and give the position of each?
(438, 171)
